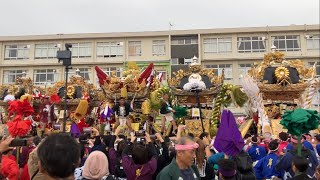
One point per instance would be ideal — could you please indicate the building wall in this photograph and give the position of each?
(162, 62)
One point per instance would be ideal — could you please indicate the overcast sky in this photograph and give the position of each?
(25, 17)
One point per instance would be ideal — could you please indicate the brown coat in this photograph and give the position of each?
(33, 166)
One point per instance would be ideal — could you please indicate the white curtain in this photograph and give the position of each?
(298, 42)
(239, 42)
(100, 51)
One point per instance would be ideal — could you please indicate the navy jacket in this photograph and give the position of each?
(127, 108)
(285, 163)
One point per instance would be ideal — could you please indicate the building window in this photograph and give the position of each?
(220, 67)
(45, 76)
(109, 71)
(110, 49)
(45, 51)
(10, 76)
(16, 52)
(287, 43)
(184, 41)
(251, 44)
(81, 50)
(313, 42)
(217, 45)
(83, 72)
(158, 47)
(311, 64)
(174, 61)
(243, 69)
(181, 61)
(135, 48)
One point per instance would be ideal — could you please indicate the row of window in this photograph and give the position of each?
(50, 76)
(244, 68)
(210, 45)
(258, 44)
(84, 50)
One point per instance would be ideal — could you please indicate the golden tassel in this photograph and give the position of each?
(26, 96)
(146, 107)
(81, 110)
(124, 92)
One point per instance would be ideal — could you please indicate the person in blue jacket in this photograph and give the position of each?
(285, 163)
(265, 168)
(318, 144)
(306, 143)
(256, 152)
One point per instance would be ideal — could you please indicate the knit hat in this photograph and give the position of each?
(96, 166)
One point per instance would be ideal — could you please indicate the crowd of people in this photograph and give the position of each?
(183, 156)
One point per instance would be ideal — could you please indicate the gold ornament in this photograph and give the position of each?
(281, 73)
(26, 96)
(146, 107)
(124, 92)
(70, 91)
(81, 110)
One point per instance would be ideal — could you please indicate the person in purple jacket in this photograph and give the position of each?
(115, 154)
(140, 166)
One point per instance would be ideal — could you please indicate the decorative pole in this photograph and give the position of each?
(197, 91)
(65, 56)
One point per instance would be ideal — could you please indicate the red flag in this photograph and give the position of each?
(146, 73)
(102, 76)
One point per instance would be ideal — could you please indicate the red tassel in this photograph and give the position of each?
(20, 109)
(55, 98)
(18, 128)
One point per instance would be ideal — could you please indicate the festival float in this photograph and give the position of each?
(80, 105)
(20, 104)
(198, 96)
(47, 105)
(134, 86)
(276, 85)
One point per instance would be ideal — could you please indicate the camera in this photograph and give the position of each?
(65, 56)
(87, 130)
(18, 142)
(140, 133)
(140, 136)
(141, 139)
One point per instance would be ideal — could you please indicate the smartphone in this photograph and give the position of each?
(18, 142)
(87, 130)
(56, 126)
(152, 136)
(141, 139)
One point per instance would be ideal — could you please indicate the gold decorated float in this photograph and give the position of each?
(275, 85)
(22, 88)
(202, 93)
(134, 85)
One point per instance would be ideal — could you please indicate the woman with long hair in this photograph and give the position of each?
(206, 171)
